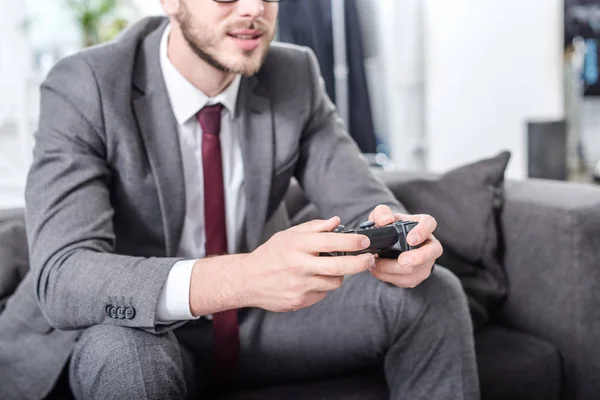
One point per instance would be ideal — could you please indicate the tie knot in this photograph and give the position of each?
(210, 119)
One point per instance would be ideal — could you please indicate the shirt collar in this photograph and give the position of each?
(187, 99)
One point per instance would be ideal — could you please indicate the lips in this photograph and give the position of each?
(246, 39)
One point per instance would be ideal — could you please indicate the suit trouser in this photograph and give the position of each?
(422, 337)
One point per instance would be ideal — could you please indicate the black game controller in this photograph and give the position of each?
(386, 241)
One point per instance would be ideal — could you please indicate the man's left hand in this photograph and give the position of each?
(414, 266)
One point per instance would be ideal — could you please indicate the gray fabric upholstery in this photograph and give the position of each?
(512, 365)
(552, 258)
(515, 365)
(14, 262)
(368, 386)
(547, 327)
(551, 233)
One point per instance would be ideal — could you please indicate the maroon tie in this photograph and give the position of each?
(225, 324)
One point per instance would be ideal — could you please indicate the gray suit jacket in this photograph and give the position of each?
(106, 199)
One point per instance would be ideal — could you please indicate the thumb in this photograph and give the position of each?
(317, 225)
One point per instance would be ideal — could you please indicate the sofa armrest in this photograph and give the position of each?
(552, 258)
(14, 255)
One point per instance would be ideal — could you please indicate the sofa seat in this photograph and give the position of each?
(368, 386)
(515, 365)
(512, 366)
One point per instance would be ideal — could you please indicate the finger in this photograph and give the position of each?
(387, 266)
(317, 225)
(329, 242)
(426, 225)
(403, 281)
(340, 266)
(382, 215)
(430, 251)
(322, 283)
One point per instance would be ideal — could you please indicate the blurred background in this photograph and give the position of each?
(422, 84)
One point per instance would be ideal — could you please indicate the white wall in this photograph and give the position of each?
(14, 73)
(14, 141)
(148, 7)
(13, 53)
(490, 67)
(394, 47)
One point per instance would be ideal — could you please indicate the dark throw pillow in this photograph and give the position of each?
(466, 203)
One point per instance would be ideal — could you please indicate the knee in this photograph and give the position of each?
(441, 290)
(439, 298)
(443, 295)
(447, 284)
(110, 346)
(110, 360)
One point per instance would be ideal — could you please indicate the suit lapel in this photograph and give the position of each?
(159, 131)
(254, 124)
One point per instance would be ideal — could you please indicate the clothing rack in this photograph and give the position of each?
(340, 57)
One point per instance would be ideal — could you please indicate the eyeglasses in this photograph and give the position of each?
(233, 1)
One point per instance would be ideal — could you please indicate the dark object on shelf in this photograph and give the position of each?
(547, 154)
(596, 173)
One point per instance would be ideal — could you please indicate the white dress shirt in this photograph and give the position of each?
(186, 101)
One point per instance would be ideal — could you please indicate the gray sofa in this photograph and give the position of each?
(542, 344)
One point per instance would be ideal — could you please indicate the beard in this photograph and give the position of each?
(201, 40)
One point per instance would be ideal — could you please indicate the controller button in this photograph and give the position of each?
(339, 229)
(367, 225)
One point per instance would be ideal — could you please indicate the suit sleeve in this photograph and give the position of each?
(332, 170)
(70, 218)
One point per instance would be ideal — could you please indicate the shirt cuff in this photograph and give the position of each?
(174, 300)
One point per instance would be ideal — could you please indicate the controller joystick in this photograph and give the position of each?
(367, 225)
(339, 229)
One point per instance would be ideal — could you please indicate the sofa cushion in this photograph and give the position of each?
(466, 202)
(14, 259)
(516, 365)
(368, 386)
(512, 365)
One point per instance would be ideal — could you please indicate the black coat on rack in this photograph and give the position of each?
(308, 23)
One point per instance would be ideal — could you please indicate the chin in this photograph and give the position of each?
(246, 66)
(249, 69)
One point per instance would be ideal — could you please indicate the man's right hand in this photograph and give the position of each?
(284, 274)
(287, 273)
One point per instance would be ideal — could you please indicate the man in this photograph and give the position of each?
(160, 166)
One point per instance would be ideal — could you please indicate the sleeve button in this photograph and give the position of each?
(113, 312)
(130, 313)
